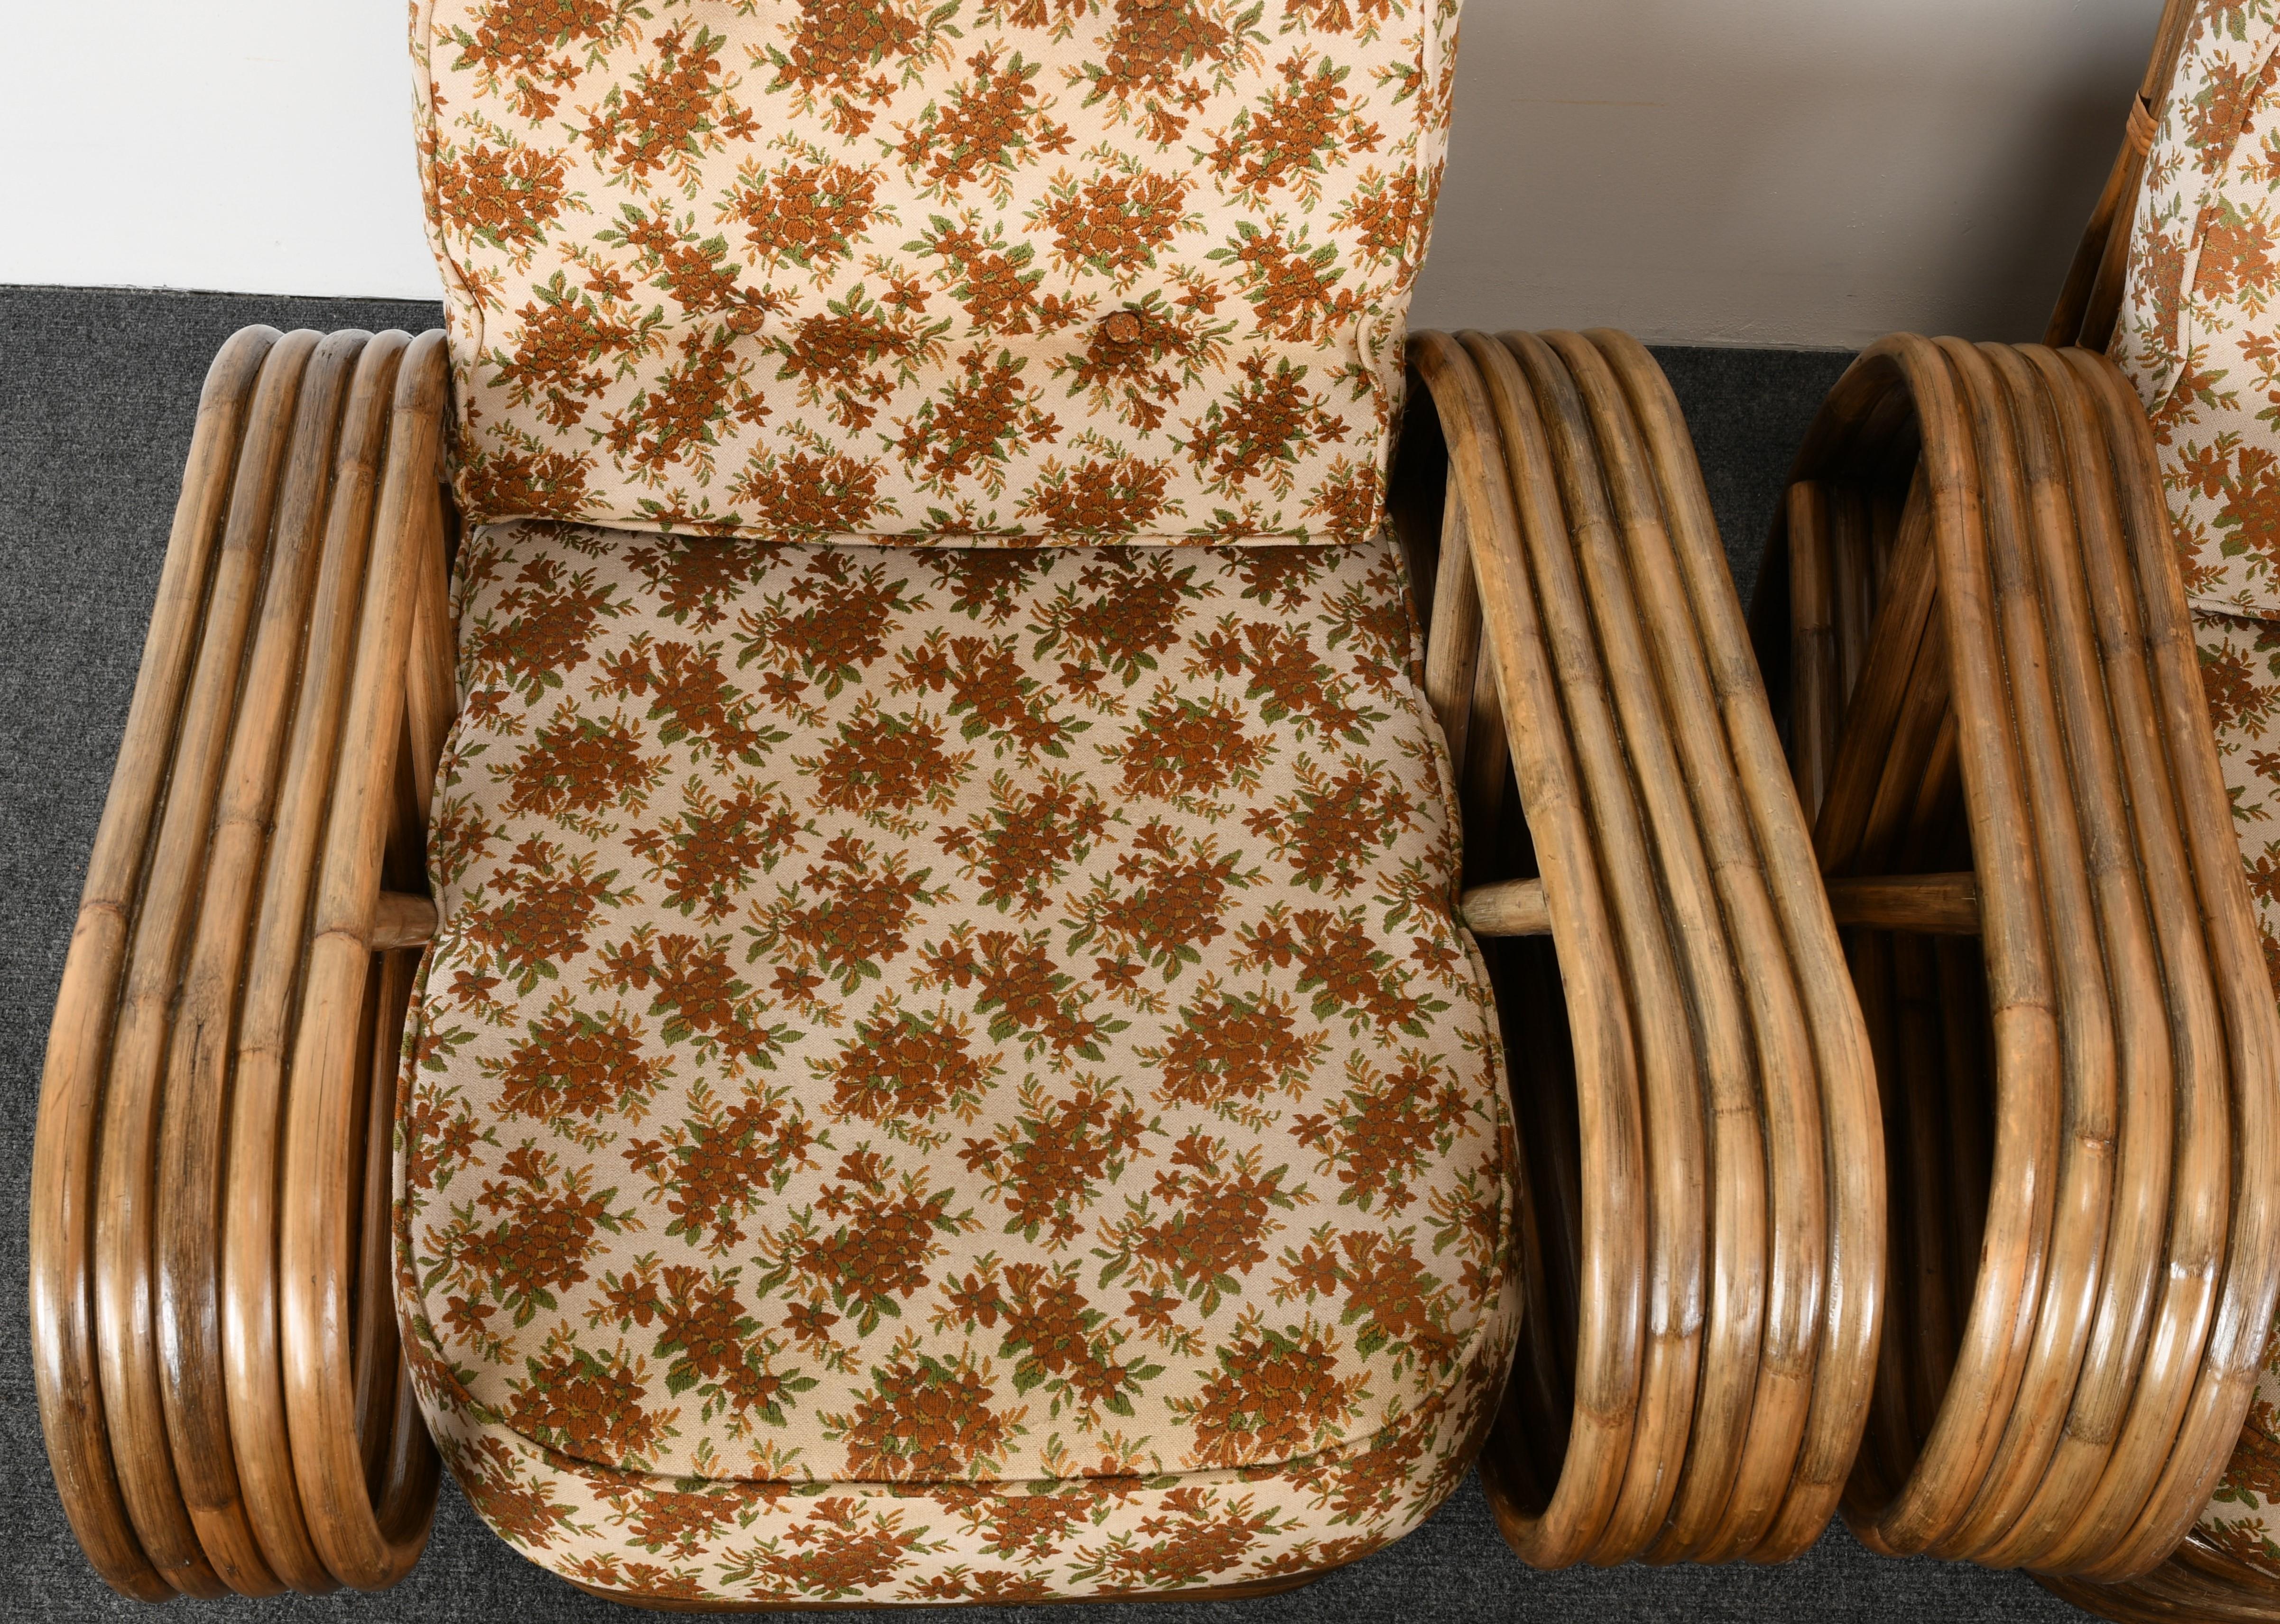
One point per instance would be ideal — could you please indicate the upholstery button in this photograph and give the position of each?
(746, 319)
(1123, 327)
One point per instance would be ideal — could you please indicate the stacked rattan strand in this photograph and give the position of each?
(1993, 671)
(1704, 1226)
(216, 1353)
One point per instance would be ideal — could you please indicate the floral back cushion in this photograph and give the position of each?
(991, 272)
(2199, 329)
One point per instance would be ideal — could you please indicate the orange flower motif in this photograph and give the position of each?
(1276, 1395)
(926, 1419)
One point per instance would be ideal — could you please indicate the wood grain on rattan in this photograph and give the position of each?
(369, 1536)
(1852, 1290)
(64, 1332)
(269, 1005)
(1639, 812)
(2197, 1581)
(125, 1191)
(193, 1151)
(1565, 1523)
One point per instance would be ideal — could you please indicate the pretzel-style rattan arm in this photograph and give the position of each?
(213, 1338)
(1690, 1074)
(1991, 667)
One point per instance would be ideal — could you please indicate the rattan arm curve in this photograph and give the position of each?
(1705, 1194)
(1991, 665)
(215, 1425)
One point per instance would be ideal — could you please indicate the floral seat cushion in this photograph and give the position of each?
(948, 1074)
(2200, 335)
(926, 269)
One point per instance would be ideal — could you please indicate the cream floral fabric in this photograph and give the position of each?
(948, 1072)
(991, 271)
(2198, 333)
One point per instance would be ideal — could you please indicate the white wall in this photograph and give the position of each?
(1777, 172)
(263, 146)
(1770, 172)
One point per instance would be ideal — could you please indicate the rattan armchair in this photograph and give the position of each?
(218, 1359)
(245, 1360)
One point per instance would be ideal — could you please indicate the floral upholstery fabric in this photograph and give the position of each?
(948, 1074)
(2198, 332)
(2200, 335)
(990, 271)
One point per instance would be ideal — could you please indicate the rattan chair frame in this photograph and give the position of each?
(214, 1337)
(216, 1346)
(1707, 1371)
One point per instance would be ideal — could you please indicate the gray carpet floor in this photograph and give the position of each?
(97, 394)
